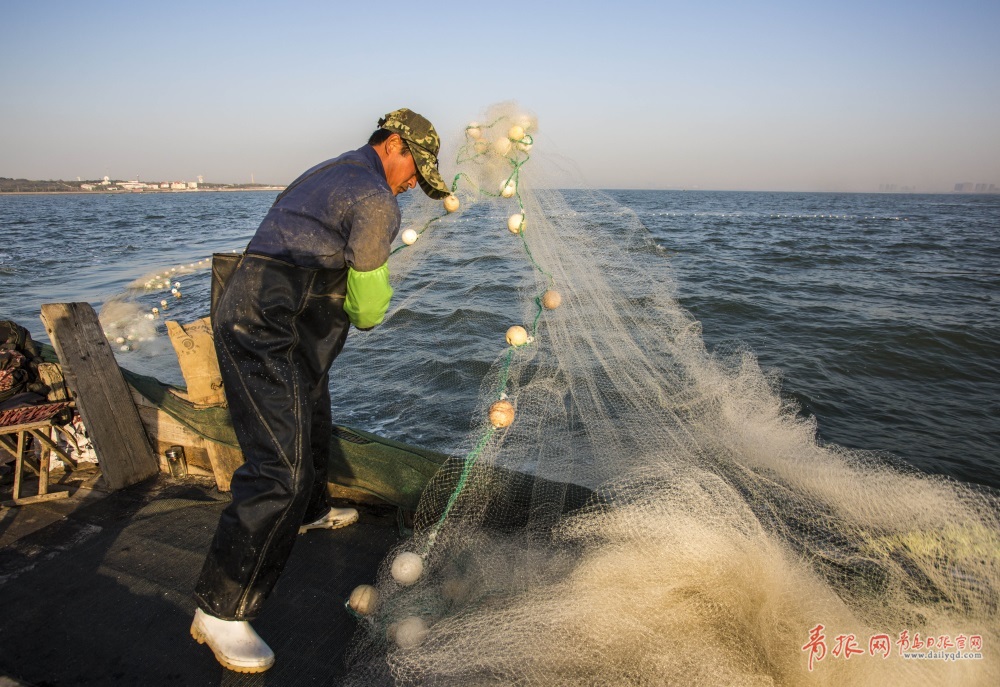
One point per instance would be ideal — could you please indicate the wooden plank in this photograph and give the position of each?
(28, 500)
(51, 376)
(225, 459)
(102, 395)
(164, 431)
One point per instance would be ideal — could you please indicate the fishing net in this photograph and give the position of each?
(624, 506)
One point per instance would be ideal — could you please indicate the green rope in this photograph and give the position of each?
(505, 372)
(419, 233)
(516, 164)
(527, 249)
(470, 461)
(538, 315)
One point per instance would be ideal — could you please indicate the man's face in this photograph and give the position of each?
(400, 168)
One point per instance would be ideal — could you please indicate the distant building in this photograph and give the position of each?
(87, 187)
(165, 184)
(133, 185)
(192, 184)
(965, 187)
(106, 182)
(178, 186)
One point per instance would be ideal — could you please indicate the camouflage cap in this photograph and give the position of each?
(424, 144)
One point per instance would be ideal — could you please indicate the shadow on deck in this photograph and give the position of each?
(96, 589)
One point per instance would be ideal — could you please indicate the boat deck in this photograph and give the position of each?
(96, 589)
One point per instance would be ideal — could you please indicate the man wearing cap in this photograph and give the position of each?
(317, 264)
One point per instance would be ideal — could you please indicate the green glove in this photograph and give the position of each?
(368, 296)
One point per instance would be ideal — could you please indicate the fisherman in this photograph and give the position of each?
(317, 264)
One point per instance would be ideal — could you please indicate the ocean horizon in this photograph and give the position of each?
(878, 312)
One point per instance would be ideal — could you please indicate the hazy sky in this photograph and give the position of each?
(724, 95)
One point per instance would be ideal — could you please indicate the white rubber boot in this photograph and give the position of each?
(234, 643)
(336, 518)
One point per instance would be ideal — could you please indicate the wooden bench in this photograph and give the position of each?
(17, 426)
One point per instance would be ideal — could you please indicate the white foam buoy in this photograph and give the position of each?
(407, 568)
(409, 632)
(502, 146)
(163, 303)
(481, 146)
(501, 414)
(120, 339)
(409, 237)
(473, 131)
(515, 133)
(451, 203)
(517, 335)
(515, 223)
(363, 599)
(551, 300)
(509, 190)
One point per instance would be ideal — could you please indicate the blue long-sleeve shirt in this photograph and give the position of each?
(344, 215)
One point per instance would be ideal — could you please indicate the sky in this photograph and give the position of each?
(782, 96)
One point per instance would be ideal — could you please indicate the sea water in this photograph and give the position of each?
(880, 312)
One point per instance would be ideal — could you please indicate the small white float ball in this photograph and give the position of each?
(516, 223)
(517, 335)
(515, 133)
(124, 348)
(451, 203)
(149, 316)
(163, 303)
(501, 414)
(551, 300)
(120, 339)
(410, 632)
(177, 285)
(502, 146)
(156, 311)
(363, 599)
(407, 568)
(481, 146)
(409, 237)
(473, 131)
(509, 189)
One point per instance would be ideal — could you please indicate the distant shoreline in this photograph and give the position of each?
(144, 191)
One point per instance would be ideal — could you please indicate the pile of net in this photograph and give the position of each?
(628, 507)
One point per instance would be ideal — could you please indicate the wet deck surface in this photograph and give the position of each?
(96, 589)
